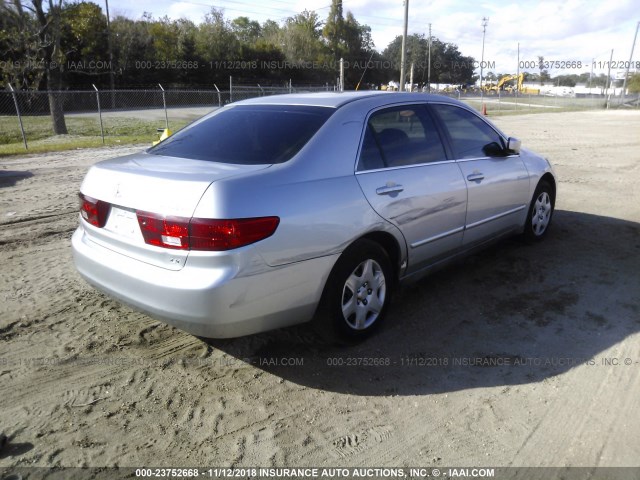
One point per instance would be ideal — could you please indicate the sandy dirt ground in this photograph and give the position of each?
(86, 381)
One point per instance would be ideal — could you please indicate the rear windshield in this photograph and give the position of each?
(247, 134)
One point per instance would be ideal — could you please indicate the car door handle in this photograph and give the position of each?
(389, 189)
(475, 177)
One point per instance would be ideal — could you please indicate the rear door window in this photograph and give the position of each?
(400, 136)
(247, 134)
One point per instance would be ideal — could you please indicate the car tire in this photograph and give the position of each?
(357, 293)
(540, 213)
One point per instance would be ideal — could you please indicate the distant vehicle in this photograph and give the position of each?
(506, 84)
(272, 211)
(510, 84)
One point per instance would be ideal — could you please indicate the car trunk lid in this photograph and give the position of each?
(166, 186)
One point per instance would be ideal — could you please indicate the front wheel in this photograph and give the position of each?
(540, 212)
(357, 293)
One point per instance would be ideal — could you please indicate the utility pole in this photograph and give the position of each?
(404, 46)
(429, 63)
(485, 22)
(519, 83)
(626, 73)
(112, 84)
(609, 83)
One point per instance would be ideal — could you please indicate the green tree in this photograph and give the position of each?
(164, 34)
(133, 50)
(358, 50)
(357, 37)
(49, 33)
(634, 83)
(544, 73)
(19, 47)
(271, 33)
(267, 58)
(601, 80)
(334, 30)
(247, 31)
(416, 47)
(448, 65)
(301, 37)
(187, 32)
(565, 80)
(84, 30)
(84, 42)
(216, 42)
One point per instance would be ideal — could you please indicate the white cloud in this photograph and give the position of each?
(193, 12)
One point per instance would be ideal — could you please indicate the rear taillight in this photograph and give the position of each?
(202, 233)
(167, 232)
(208, 234)
(94, 211)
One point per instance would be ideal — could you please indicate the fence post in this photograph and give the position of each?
(15, 101)
(261, 91)
(219, 99)
(164, 103)
(230, 89)
(99, 111)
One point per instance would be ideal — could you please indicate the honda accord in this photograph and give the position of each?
(278, 210)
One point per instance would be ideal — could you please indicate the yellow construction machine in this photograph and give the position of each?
(492, 88)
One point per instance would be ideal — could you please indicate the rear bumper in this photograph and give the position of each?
(217, 296)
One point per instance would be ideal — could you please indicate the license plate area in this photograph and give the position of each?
(124, 222)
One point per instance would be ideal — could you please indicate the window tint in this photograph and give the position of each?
(470, 135)
(370, 156)
(400, 136)
(247, 134)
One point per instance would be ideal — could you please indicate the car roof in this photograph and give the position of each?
(338, 99)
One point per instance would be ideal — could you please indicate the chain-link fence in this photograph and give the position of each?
(82, 118)
(113, 116)
(530, 102)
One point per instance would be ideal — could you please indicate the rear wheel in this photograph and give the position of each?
(540, 212)
(357, 293)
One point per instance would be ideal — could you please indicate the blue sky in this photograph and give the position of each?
(574, 30)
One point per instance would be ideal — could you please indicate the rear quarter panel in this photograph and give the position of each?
(317, 217)
(321, 207)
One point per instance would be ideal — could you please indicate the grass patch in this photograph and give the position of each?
(60, 143)
(84, 132)
(491, 112)
(535, 104)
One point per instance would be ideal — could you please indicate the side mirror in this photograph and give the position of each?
(513, 145)
(494, 149)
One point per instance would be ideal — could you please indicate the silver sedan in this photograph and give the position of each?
(279, 210)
